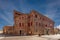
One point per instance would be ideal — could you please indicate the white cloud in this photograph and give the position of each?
(58, 26)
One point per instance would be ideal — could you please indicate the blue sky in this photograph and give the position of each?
(49, 8)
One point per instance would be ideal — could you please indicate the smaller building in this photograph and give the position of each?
(8, 30)
(56, 31)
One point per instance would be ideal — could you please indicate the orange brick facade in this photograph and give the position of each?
(33, 23)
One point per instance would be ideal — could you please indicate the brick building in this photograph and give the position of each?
(32, 23)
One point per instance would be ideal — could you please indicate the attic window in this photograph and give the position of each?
(17, 13)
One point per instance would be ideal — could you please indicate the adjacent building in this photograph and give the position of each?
(30, 24)
(56, 31)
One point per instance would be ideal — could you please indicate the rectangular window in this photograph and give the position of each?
(35, 16)
(46, 25)
(39, 24)
(31, 23)
(28, 24)
(40, 17)
(28, 16)
(20, 24)
(43, 18)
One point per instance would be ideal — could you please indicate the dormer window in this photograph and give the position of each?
(17, 13)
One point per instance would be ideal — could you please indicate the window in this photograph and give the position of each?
(17, 13)
(35, 16)
(36, 23)
(46, 25)
(36, 30)
(40, 17)
(28, 16)
(28, 24)
(20, 24)
(39, 24)
(31, 23)
(50, 24)
(43, 18)
(22, 17)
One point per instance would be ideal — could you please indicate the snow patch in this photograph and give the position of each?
(1, 37)
(56, 36)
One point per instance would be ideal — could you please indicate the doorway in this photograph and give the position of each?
(20, 32)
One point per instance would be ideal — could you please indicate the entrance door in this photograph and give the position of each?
(20, 32)
(47, 31)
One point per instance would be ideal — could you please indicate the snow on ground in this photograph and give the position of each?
(36, 37)
(1, 31)
(56, 36)
(1, 35)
